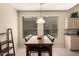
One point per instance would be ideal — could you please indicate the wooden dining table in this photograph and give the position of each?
(33, 41)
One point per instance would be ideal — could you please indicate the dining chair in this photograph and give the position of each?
(51, 37)
(28, 37)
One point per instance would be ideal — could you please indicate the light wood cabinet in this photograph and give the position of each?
(72, 42)
(72, 23)
(68, 42)
(76, 23)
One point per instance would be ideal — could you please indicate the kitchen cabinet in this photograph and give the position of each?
(72, 42)
(72, 23)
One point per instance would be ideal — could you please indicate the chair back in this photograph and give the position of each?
(28, 37)
(51, 37)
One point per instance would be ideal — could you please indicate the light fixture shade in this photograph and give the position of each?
(40, 20)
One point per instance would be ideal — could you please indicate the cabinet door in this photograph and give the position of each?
(76, 23)
(75, 43)
(68, 23)
(68, 42)
(71, 23)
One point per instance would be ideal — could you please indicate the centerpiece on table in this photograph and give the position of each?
(40, 37)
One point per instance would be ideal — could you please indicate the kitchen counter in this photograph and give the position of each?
(72, 42)
(73, 36)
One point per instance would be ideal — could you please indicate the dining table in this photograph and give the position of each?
(34, 41)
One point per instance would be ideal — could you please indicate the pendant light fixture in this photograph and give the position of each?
(40, 19)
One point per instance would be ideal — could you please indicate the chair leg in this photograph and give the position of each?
(39, 53)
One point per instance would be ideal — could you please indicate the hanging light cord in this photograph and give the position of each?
(41, 9)
(40, 18)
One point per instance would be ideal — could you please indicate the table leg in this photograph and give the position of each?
(27, 51)
(50, 51)
(39, 53)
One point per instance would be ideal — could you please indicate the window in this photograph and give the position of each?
(29, 26)
(51, 26)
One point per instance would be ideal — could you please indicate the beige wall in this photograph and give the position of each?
(61, 16)
(8, 19)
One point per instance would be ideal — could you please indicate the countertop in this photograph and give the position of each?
(73, 36)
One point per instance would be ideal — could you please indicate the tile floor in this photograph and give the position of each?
(55, 51)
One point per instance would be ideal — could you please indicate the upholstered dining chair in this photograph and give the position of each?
(51, 37)
(28, 37)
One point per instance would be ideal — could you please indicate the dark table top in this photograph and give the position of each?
(34, 40)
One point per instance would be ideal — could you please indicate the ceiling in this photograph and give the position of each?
(45, 6)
